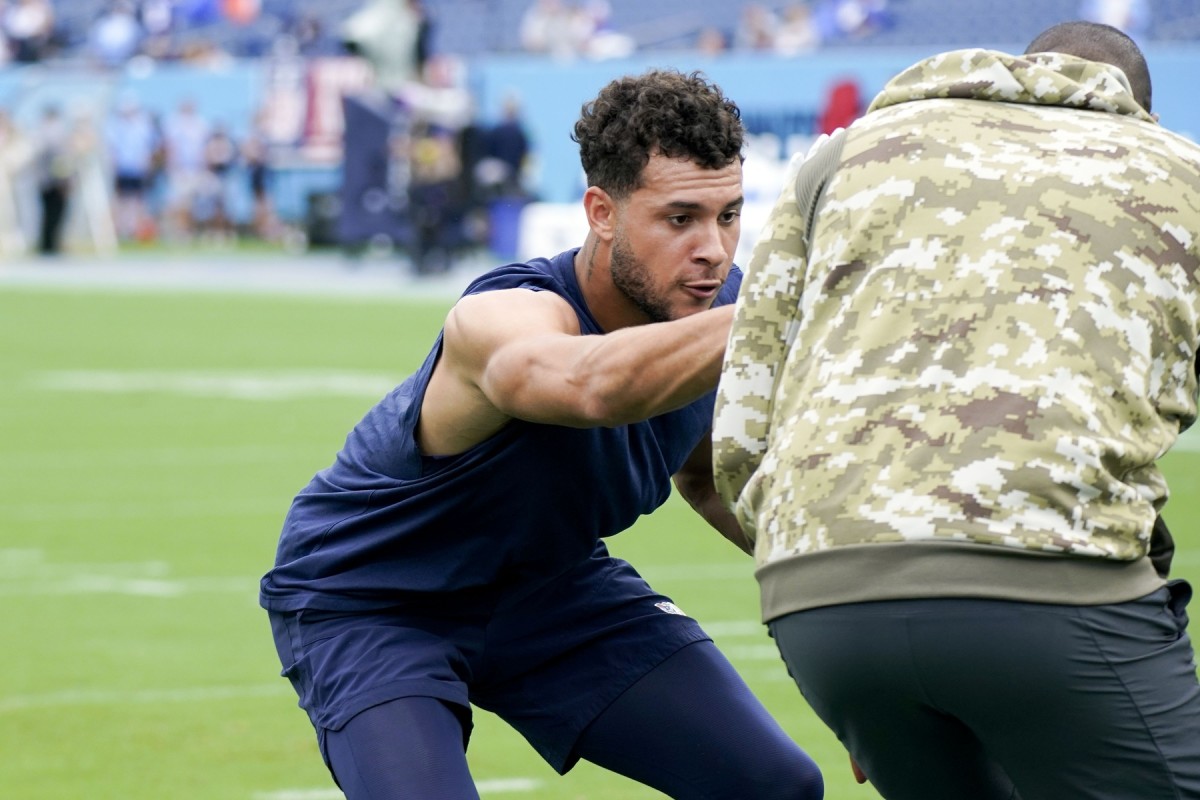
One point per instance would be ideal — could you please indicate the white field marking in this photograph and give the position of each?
(199, 456)
(278, 385)
(138, 587)
(114, 697)
(324, 279)
(127, 509)
(26, 572)
(493, 786)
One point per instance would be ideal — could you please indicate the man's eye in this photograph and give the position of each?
(730, 216)
(679, 220)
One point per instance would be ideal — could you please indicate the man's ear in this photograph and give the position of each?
(601, 212)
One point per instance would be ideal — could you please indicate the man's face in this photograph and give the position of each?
(675, 237)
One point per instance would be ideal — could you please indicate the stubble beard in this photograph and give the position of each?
(632, 279)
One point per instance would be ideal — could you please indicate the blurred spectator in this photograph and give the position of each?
(89, 224)
(157, 18)
(598, 38)
(850, 19)
(53, 168)
(116, 34)
(133, 143)
(435, 169)
(210, 208)
(185, 134)
(501, 175)
(439, 192)
(16, 153)
(201, 50)
(544, 23)
(29, 27)
(440, 97)
(392, 36)
(1129, 16)
(506, 149)
(711, 41)
(797, 32)
(756, 28)
(256, 156)
(557, 29)
(471, 196)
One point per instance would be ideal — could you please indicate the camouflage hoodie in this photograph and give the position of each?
(967, 333)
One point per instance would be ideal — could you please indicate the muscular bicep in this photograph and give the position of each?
(521, 351)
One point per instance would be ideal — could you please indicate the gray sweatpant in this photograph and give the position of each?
(966, 699)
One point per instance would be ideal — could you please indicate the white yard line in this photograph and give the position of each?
(235, 385)
(59, 459)
(142, 509)
(114, 697)
(319, 276)
(26, 571)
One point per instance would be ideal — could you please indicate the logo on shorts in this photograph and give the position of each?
(670, 608)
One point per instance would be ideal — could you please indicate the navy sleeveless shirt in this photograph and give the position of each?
(387, 526)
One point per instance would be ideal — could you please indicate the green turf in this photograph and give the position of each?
(144, 477)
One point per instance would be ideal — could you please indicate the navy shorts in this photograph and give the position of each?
(547, 659)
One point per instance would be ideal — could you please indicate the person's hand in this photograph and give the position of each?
(859, 775)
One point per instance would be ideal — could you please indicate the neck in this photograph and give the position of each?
(608, 305)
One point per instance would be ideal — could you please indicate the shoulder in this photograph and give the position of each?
(492, 317)
(539, 274)
(542, 289)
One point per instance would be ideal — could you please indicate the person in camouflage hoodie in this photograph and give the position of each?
(967, 333)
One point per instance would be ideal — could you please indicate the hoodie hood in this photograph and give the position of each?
(1052, 79)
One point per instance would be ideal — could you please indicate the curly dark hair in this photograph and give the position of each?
(660, 111)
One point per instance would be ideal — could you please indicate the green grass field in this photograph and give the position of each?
(149, 446)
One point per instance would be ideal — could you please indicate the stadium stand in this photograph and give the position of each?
(475, 27)
(283, 61)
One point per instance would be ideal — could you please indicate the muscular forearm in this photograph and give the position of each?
(640, 372)
(725, 522)
(695, 485)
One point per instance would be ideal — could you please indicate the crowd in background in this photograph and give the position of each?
(108, 33)
(111, 32)
(137, 176)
